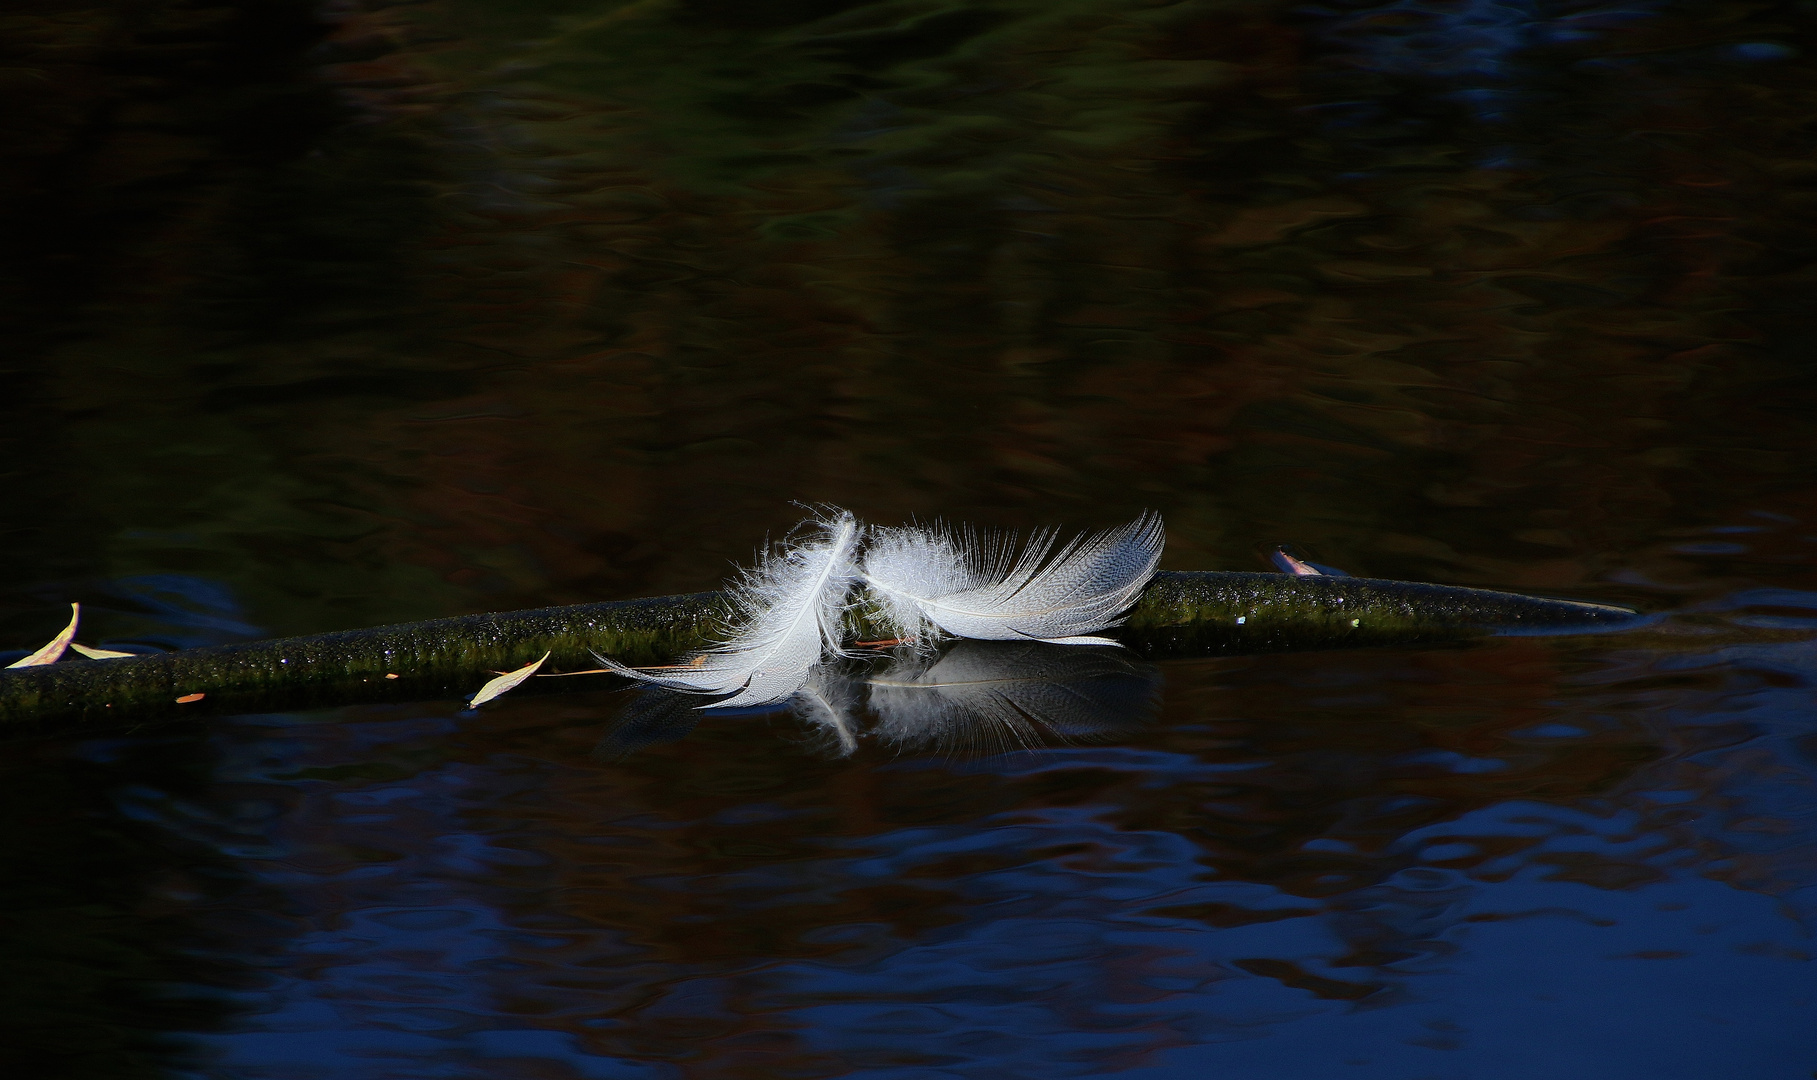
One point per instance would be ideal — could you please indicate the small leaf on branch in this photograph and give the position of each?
(98, 654)
(504, 684)
(53, 652)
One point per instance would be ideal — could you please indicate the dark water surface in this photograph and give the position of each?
(326, 317)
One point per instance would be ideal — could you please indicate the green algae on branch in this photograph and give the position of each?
(439, 658)
(1214, 612)
(1178, 615)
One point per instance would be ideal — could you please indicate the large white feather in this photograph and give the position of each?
(789, 608)
(977, 586)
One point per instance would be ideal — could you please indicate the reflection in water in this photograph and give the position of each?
(998, 695)
(830, 702)
(466, 304)
(1030, 261)
(654, 715)
(1308, 859)
(972, 697)
(110, 846)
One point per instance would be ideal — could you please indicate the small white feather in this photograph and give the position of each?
(976, 585)
(790, 609)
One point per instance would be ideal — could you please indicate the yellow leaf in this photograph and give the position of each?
(504, 683)
(98, 654)
(53, 652)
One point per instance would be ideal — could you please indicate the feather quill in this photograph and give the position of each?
(977, 585)
(790, 609)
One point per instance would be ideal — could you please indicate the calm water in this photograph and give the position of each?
(326, 317)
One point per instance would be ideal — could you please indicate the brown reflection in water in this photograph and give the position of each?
(612, 321)
(1431, 351)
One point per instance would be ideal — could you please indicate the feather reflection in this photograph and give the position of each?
(655, 715)
(990, 696)
(978, 697)
(829, 702)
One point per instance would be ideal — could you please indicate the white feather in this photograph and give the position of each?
(790, 608)
(976, 585)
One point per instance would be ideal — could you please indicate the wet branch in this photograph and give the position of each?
(1179, 614)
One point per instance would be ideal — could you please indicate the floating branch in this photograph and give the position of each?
(1177, 615)
(1213, 613)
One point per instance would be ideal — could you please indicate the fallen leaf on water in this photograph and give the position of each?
(504, 684)
(53, 652)
(98, 654)
(187, 698)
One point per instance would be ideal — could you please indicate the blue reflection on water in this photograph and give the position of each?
(515, 908)
(1475, 39)
(173, 611)
(1495, 61)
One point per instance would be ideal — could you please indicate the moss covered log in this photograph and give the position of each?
(1180, 614)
